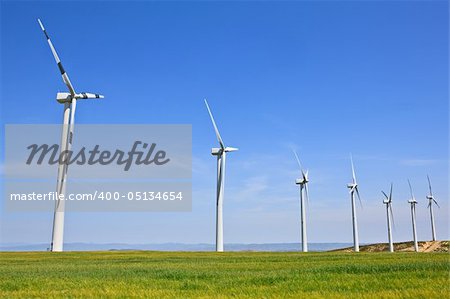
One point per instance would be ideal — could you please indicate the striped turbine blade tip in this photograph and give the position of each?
(61, 68)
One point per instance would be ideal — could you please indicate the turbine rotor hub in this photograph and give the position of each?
(351, 186)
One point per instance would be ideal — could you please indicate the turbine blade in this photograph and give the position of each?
(64, 75)
(436, 203)
(429, 185)
(307, 193)
(359, 197)
(298, 161)
(390, 194)
(219, 178)
(410, 190)
(215, 126)
(353, 170)
(385, 195)
(87, 95)
(392, 216)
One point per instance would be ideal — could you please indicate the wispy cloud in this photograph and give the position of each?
(253, 188)
(200, 166)
(418, 162)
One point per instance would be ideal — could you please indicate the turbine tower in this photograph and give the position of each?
(431, 201)
(390, 215)
(353, 186)
(303, 182)
(413, 203)
(69, 99)
(221, 154)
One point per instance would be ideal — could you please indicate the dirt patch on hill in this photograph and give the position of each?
(426, 246)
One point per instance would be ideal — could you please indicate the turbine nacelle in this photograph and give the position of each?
(300, 181)
(63, 97)
(66, 97)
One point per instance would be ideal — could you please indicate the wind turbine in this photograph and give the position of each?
(303, 182)
(413, 203)
(69, 99)
(390, 215)
(221, 154)
(431, 200)
(353, 186)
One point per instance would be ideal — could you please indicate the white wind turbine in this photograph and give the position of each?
(413, 203)
(69, 99)
(303, 182)
(431, 201)
(390, 215)
(221, 154)
(354, 189)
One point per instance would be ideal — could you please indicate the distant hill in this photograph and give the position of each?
(176, 247)
(426, 246)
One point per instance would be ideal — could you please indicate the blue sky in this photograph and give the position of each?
(327, 78)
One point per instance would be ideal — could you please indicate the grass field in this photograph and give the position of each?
(237, 274)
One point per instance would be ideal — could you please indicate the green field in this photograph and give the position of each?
(237, 274)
